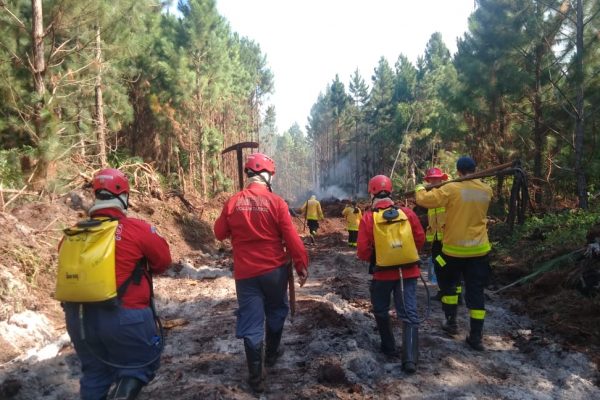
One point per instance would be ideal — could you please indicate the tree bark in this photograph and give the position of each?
(100, 122)
(39, 69)
(539, 132)
(579, 123)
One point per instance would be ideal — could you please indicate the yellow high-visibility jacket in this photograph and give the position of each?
(352, 218)
(436, 218)
(312, 209)
(466, 204)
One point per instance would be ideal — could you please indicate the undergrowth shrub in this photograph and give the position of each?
(551, 233)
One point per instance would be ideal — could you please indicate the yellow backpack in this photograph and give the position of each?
(86, 262)
(394, 243)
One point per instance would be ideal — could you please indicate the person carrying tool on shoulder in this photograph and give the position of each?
(465, 246)
(353, 215)
(113, 328)
(390, 237)
(436, 218)
(259, 225)
(313, 213)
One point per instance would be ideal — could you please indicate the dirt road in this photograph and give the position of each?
(331, 348)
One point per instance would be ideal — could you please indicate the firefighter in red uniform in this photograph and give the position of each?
(260, 227)
(125, 335)
(395, 267)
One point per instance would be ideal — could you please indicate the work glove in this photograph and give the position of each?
(419, 187)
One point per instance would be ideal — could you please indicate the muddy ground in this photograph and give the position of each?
(331, 347)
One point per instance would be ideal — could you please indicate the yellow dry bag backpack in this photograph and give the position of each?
(86, 262)
(394, 243)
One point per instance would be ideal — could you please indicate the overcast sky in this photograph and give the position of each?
(308, 42)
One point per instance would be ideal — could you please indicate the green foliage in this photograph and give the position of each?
(10, 171)
(123, 157)
(176, 89)
(547, 235)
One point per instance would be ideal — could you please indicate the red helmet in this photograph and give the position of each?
(435, 173)
(258, 162)
(111, 180)
(380, 183)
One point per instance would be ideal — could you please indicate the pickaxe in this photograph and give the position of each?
(238, 148)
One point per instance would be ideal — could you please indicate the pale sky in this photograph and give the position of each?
(308, 42)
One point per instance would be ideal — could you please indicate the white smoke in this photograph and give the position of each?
(332, 191)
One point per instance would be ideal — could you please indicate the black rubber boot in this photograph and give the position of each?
(254, 358)
(476, 335)
(410, 347)
(450, 326)
(273, 351)
(388, 343)
(127, 388)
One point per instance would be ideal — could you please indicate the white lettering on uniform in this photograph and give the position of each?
(253, 204)
(474, 195)
(119, 232)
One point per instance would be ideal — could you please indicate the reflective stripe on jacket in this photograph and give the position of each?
(466, 204)
(352, 218)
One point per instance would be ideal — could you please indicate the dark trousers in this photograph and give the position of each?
(381, 292)
(474, 270)
(260, 297)
(313, 226)
(352, 237)
(119, 335)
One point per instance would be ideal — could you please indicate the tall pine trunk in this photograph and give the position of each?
(539, 132)
(99, 105)
(39, 68)
(579, 123)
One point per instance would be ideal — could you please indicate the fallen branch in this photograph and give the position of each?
(173, 323)
(545, 267)
(45, 229)
(190, 207)
(20, 192)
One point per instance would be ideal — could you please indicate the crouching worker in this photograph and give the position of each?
(260, 227)
(105, 285)
(390, 237)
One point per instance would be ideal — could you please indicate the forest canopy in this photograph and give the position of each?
(91, 84)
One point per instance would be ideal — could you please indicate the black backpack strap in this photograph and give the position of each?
(138, 272)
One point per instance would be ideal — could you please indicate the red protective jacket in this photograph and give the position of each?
(260, 227)
(135, 239)
(366, 243)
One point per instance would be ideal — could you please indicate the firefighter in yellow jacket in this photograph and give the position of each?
(465, 246)
(353, 215)
(313, 214)
(436, 219)
(434, 234)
